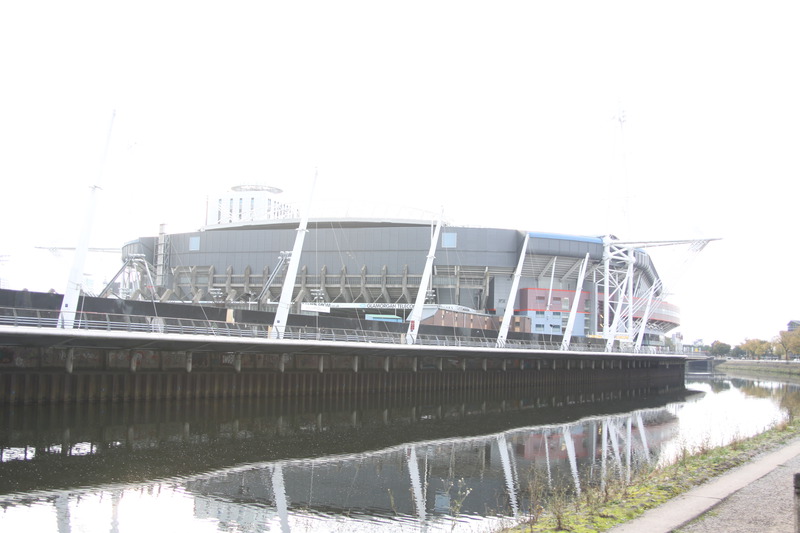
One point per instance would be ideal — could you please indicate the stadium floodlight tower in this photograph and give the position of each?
(630, 295)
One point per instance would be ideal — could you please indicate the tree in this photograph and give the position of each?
(720, 349)
(779, 350)
(756, 347)
(669, 344)
(789, 342)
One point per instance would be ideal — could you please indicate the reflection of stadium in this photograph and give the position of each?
(417, 483)
(370, 267)
(428, 480)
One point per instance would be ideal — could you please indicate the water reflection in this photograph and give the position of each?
(468, 464)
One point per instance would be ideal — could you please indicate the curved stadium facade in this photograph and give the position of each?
(370, 268)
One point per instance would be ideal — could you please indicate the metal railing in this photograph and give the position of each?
(48, 318)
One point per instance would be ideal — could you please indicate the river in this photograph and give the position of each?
(350, 464)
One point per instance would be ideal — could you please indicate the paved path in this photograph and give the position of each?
(754, 498)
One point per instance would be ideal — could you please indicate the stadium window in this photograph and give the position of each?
(194, 244)
(539, 327)
(449, 240)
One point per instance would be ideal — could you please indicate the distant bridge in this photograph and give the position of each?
(701, 363)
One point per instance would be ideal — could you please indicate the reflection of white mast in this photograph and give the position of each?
(643, 436)
(604, 455)
(416, 483)
(613, 432)
(573, 460)
(546, 438)
(69, 304)
(63, 519)
(116, 496)
(628, 449)
(505, 459)
(279, 489)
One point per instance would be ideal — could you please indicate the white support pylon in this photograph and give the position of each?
(625, 296)
(69, 303)
(573, 312)
(512, 297)
(415, 317)
(285, 302)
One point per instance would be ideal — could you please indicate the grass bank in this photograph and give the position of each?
(600, 508)
(761, 368)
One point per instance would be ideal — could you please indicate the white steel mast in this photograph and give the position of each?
(285, 302)
(415, 317)
(69, 304)
(573, 312)
(512, 297)
(622, 299)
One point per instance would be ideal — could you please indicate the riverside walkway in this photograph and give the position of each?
(756, 497)
(40, 326)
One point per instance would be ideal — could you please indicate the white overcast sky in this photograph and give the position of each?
(500, 113)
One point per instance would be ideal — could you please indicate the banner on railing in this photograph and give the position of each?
(317, 308)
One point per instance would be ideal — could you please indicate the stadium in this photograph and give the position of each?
(369, 268)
